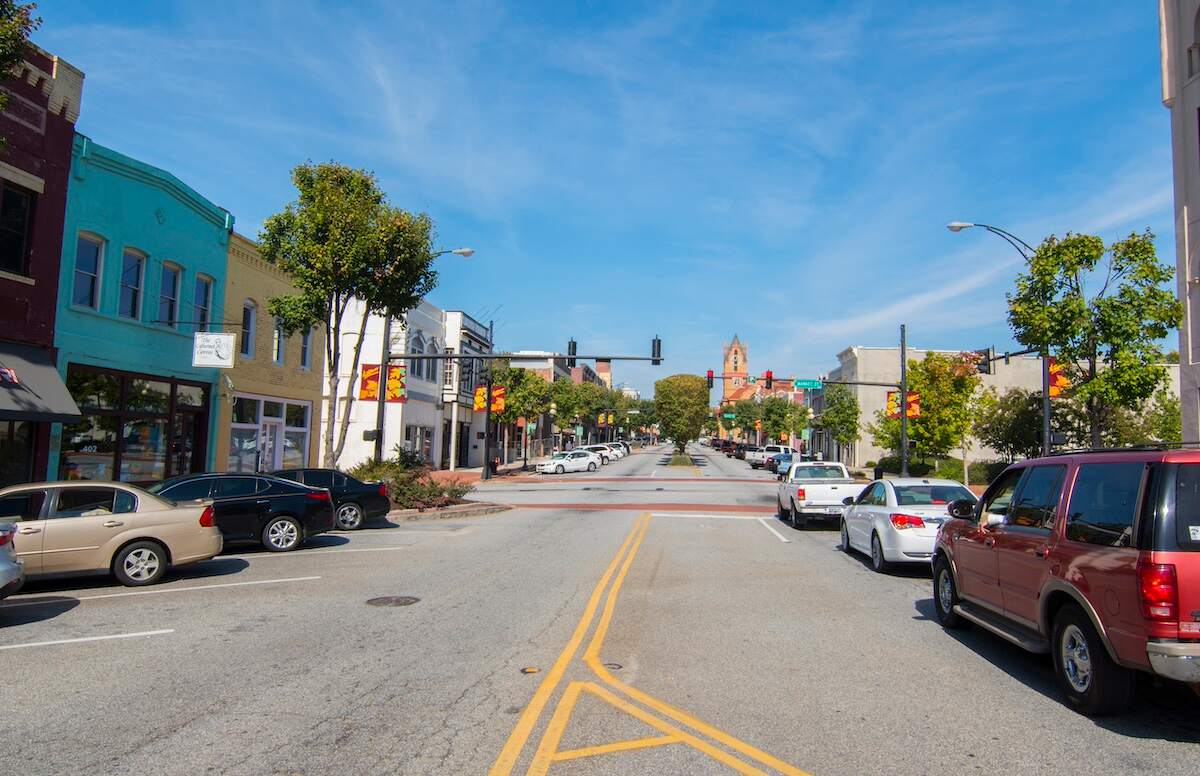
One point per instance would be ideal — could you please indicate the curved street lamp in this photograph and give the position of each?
(1027, 252)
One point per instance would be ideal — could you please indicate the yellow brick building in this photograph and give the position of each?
(270, 402)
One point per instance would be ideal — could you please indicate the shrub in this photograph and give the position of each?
(870, 465)
(411, 487)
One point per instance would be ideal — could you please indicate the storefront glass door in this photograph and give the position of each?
(272, 433)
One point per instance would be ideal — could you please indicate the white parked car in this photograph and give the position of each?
(604, 451)
(570, 461)
(617, 449)
(897, 521)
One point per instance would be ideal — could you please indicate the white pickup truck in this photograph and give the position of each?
(815, 490)
(757, 458)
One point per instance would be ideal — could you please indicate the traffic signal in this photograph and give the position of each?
(983, 360)
(709, 378)
(770, 379)
(655, 351)
(572, 349)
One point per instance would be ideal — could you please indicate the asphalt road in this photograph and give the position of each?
(674, 631)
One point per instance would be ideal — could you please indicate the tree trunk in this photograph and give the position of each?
(1093, 408)
(345, 422)
(966, 469)
(333, 354)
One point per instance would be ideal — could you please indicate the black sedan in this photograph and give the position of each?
(355, 501)
(276, 513)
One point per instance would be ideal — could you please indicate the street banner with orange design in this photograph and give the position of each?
(397, 391)
(480, 397)
(1058, 378)
(912, 407)
(499, 393)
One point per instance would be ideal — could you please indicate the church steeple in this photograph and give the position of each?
(736, 367)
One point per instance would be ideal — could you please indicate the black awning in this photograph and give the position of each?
(31, 388)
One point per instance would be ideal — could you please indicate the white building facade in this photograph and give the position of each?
(435, 420)
(1179, 38)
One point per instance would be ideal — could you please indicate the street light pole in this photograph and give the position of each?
(1027, 252)
(903, 401)
(385, 361)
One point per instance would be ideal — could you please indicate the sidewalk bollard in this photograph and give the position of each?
(878, 472)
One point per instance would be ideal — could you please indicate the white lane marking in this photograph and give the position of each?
(770, 528)
(159, 592)
(653, 473)
(307, 553)
(88, 638)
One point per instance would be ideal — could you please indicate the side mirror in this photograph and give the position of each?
(962, 508)
(848, 500)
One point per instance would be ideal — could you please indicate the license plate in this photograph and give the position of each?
(832, 510)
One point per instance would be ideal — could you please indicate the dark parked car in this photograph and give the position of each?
(354, 501)
(778, 462)
(279, 514)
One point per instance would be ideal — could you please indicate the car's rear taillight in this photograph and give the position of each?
(318, 495)
(800, 494)
(902, 521)
(1159, 591)
(383, 489)
(6, 536)
(206, 517)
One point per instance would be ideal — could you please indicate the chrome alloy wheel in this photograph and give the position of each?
(283, 534)
(349, 517)
(1076, 658)
(141, 564)
(945, 589)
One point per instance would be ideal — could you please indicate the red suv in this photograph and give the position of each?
(1093, 558)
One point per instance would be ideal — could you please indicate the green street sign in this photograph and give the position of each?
(811, 385)
(728, 415)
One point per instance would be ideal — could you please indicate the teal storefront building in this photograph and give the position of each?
(143, 268)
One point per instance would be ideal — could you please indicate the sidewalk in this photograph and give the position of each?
(473, 475)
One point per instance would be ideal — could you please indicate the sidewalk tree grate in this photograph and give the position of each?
(393, 600)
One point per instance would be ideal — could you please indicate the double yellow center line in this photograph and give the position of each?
(547, 750)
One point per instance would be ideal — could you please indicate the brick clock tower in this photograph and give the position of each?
(736, 371)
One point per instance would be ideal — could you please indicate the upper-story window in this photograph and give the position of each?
(202, 303)
(448, 372)
(16, 215)
(417, 345)
(1193, 51)
(249, 314)
(306, 348)
(132, 269)
(278, 342)
(431, 364)
(168, 295)
(88, 255)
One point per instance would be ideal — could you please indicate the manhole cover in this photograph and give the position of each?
(393, 600)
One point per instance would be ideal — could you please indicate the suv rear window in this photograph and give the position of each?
(1187, 507)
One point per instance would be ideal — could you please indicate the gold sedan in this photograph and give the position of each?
(67, 528)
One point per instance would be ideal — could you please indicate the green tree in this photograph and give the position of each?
(1108, 340)
(526, 394)
(840, 416)
(17, 23)
(946, 385)
(746, 411)
(778, 417)
(1010, 423)
(342, 242)
(681, 402)
(711, 426)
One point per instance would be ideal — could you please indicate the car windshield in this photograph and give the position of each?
(930, 495)
(817, 472)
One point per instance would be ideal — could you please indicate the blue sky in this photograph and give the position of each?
(780, 170)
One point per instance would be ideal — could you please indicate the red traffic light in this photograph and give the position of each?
(709, 377)
(770, 377)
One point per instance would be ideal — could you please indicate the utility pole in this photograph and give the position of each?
(903, 402)
(384, 365)
(487, 410)
(1046, 402)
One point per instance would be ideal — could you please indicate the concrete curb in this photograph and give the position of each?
(470, 509)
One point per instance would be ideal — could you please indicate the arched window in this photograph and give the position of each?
(417, 345)
(1193, 52)
(278, 342)
(431, 365)
(249, 314)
